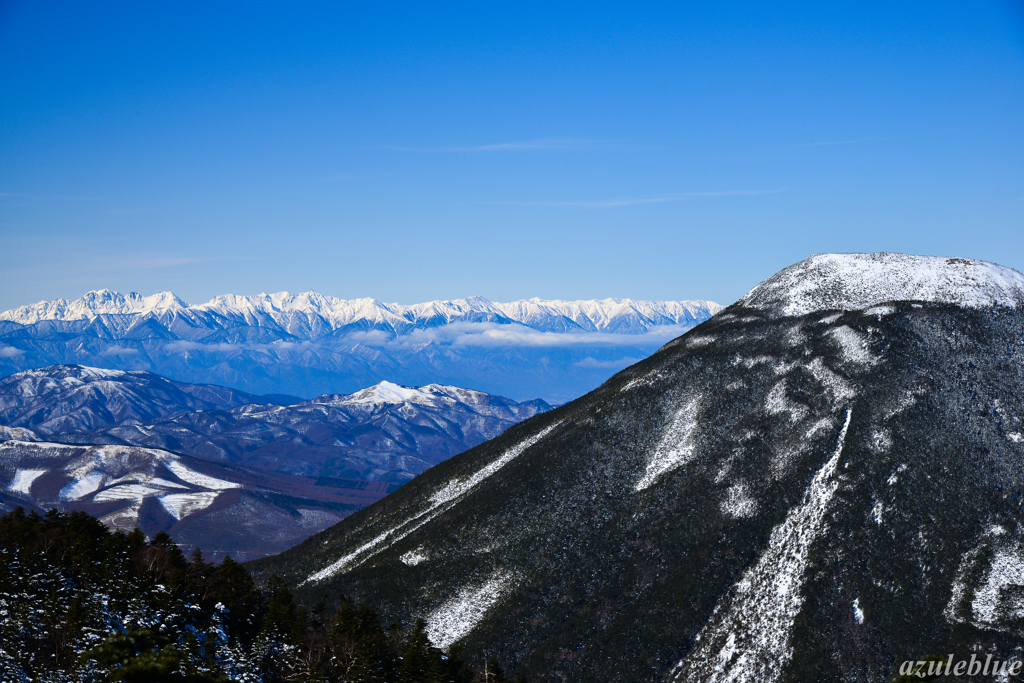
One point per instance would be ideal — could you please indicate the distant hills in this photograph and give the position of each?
(224, 509)
(819, 483)
(223, 469)
(386, 432)
(309, 344)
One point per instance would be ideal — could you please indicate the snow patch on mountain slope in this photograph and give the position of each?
(990, 601)
(181, 505)
(82, 486)
(414, 557)
(23, 479)
(676, 446)
(197, 479)
(858, 613)
(999, 597)
(441, 501)
(861, 281)
(17, 434)
(454, 619)
(751, 640)
(738, 502)
(133, 492)
(777, 402)
(853, 345)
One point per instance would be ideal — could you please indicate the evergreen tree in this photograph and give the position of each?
(82, 603)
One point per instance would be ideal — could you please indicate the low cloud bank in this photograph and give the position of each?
(494, 334)
(10, 352)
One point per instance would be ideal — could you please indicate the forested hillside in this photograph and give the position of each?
(81, 603)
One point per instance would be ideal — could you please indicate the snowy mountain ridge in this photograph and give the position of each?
(858, 281)
(321, 313)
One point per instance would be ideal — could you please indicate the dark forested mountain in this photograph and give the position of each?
(383, 433)
(309, 344)
(820, 482)
(64, 399)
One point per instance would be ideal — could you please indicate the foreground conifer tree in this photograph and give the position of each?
(79, 603)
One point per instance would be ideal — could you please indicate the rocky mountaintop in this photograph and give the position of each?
(859, 281)
(819, 483)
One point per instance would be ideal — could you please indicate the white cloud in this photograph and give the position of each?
(10, 352)
(524, 145)
(465, 334)
(614, 203)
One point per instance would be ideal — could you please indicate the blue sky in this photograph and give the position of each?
(408, 153)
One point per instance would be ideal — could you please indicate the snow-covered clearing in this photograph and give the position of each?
(455, 618)
(676, 446)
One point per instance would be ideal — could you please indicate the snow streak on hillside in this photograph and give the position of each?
(441, 501)
(751, 642)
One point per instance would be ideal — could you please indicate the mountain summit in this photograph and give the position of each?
(818, 483)
(858, 281)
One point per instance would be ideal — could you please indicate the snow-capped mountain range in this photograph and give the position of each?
(822, 481)
(310, 315)
(309, 344)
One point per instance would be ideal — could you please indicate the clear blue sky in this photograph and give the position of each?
(410, 152)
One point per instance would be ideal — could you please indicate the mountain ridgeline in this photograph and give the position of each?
(820, 482)
(309, 344)
(385, 432)
(220, 469)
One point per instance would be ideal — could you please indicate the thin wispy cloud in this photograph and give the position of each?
(526, 145)
(146, 263)
(614, 203)
(840, 142)
(46, 197)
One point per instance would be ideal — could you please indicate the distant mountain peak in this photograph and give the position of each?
(94, 303)
(860, 281)
(389, 392)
